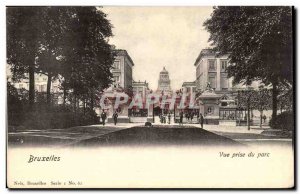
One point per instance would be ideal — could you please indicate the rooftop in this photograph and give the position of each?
(122, 52)
(164, 70)
(204, 52)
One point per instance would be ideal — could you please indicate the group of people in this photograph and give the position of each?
(163, 118)
(104, 116)
(190, 116)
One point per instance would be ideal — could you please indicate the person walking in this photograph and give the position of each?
(169, 118)
(201, 120)
(187, 117)
(181, 118)
(103, 117)
(115, 117)
(264, 118)
(192, 116)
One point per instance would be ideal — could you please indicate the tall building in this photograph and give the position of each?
(122, 83)
(218, 95)
(164, 83)
(211, 68)
(122, 70)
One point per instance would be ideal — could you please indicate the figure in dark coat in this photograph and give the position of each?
(201, 120)
(103, 117)
(181, 118)
(115, 117)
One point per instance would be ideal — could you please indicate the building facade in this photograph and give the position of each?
(211, 68)
(218, 95)
(164, 83)
(144, 113)
(122, 84)
(122, 70)
(189, 88)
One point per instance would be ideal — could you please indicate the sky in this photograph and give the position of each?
(157, 37)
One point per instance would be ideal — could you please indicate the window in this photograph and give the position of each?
(223, 65)
(211, 65)
(224, 104)
(116, 79)
(116, 65)
(224, 82)
(212, 81)
(210, 110)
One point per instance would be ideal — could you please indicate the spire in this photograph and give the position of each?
(164, 70)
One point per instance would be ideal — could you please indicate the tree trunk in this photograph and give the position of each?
(84, 106)
(248, 113)
(65, 96)
(261, 115)
(49, 88)
(274, 101)
(92, 101)
(31, 86)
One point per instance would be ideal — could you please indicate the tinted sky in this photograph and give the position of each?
(156, 37)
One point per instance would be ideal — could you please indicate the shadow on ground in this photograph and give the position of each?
(159, 135)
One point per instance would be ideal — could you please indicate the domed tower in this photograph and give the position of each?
(164, 82)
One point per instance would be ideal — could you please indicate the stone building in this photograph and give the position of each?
(122, 70)
(144, 113)
(164, 83)
(218, 95)
(122, 84)
(189, 87)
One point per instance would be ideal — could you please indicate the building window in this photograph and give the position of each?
(212, 81)
(210, 110)
(223, 65)
(116, 79)
(224, 82)
(116, 65)
(212, 65)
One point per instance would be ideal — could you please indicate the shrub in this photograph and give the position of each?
(284, 121)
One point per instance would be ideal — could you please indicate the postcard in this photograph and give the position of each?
(110, 97)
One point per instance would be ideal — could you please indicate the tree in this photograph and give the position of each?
(250, 99)
(71, 42)
(88, 56)
(259, 43)
(23, 42)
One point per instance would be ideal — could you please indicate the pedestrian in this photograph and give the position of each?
(103, 117)
(115, 117)
(169, 118)
(187, 116)
(264, 118)
(201, 120)
(181, 118)
(192, 116)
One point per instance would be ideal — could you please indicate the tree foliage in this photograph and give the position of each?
(258, 41)
(65, 43)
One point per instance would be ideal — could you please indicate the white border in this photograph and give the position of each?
(5, 3)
